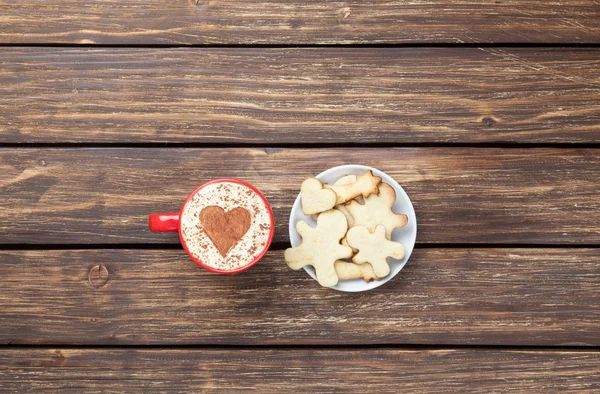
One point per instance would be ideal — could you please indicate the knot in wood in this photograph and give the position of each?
(488, 122)
(98, 276)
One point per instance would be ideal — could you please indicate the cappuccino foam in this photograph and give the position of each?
(227, 195)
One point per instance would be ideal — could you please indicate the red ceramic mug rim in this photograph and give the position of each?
(271, 230)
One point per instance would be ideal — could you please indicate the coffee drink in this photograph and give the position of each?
(226, 225)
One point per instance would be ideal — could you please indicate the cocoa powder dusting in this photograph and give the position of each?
(225, 229)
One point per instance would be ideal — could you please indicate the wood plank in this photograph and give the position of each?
(299, 22)
(308, 95)
(160, 297)
(461, 195)
(298, 370)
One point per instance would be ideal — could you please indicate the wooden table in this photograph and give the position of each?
(486, 112)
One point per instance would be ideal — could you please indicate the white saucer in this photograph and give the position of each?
(407, 235)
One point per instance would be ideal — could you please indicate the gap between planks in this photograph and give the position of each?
(292, 347)
(309, 46)
(285, 245)
(267, 145)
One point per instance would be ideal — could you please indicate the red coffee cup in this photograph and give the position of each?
(172, 222)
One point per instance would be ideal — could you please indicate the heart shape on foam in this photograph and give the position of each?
(225, 229)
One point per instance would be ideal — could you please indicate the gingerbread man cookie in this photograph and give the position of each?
(377, 210)
(374, 248)
(321, 246)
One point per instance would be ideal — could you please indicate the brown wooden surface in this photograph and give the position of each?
(443, 296)
(306, 95)
(506, 271)
(461, 195)
(299, 370)
(298, 21)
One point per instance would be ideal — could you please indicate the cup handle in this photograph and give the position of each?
(164, 222)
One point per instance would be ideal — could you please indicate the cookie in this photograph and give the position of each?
(377, 210)
(315, 198)
(347, 214)
(343, 210)
(345, 243)
(346, 270)
(374, 248)
(364, 185)
(345, 180)
(321, 246)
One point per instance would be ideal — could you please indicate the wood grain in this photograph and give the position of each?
(306, 95)
(160, 297)
(299, 21)
(297, 370)
(462, 195)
